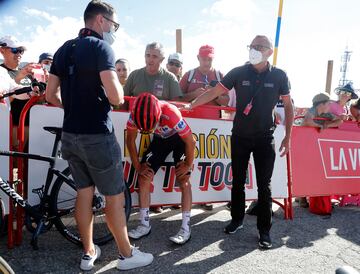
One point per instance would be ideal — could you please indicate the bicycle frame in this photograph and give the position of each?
(43, 192)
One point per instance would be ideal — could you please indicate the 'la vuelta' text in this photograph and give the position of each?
(217, 175)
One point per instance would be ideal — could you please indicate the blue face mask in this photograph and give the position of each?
(110, 36)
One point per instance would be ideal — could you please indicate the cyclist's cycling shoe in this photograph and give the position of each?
(181, 237)
(137, 259)
(87, 261)
(139, 232)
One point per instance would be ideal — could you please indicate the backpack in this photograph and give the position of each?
(320, 205)
(192, 73)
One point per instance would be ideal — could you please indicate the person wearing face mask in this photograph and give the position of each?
(258, 87)
(84, 69)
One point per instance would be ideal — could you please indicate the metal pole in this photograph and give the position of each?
(329, 76)
(277, 37)
(179, 40)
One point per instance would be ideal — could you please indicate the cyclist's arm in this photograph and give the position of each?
(113, 89)
(131, 135)
(52, 93)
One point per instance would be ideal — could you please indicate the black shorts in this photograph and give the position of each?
(160, 148)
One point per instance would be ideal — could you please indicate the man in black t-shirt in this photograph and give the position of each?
(258, 88)
(84, 70)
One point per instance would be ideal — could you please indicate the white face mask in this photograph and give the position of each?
(110, 36)
(255, 57)
(46, 66)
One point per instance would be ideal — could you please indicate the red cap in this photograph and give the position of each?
(206, 51)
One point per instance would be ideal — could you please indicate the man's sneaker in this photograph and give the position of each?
(233, 227)
(265, 240)
(181, 237)
(139, 232)
(137, 259)
(87, 261)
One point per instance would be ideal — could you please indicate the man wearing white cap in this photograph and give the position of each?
(12, 51)
(174, 64)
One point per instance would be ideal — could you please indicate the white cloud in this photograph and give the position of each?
(39, 14)
(10, 21)
(231, 9)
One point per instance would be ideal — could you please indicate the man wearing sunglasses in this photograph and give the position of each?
(84, 69)
(12, 51)
(258, 87)
(174, 64)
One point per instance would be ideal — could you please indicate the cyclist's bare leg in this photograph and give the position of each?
(144, 191)
(84, 218)
(186, 195)
(116, 221)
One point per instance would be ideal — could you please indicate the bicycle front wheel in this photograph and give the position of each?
(63, 197)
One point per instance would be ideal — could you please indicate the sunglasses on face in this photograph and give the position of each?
(17, 50)
(116, 25)
(178, 65)
(344, 92)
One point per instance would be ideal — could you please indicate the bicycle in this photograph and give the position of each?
(57, 200)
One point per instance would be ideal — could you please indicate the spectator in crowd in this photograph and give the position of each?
(12, 51)
(321, 109)
(153, 78)
(196, 81)
(174, 64)
(340, 108)
(355, 110)
(172, 135)
(45, 60)
(122, 67)
(258, 88)
(88, 139)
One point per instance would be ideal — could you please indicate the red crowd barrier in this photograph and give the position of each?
(326, 162)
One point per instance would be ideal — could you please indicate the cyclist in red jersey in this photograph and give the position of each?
(171, 134)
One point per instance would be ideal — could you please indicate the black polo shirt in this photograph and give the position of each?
(78, 64)
(268, 87)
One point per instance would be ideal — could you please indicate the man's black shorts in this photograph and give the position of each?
(160, 148)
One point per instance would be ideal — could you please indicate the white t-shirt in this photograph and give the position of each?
(7, 84)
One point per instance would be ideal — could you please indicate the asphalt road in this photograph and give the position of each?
(307, 244)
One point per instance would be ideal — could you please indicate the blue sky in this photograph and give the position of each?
(313, 31)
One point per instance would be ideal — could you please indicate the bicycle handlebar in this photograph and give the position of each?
(34, 83)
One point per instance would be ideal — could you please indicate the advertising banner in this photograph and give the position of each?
(212, 176)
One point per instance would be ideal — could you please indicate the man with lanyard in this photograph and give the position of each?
(171, 134)
(84, 70)
(258, 88)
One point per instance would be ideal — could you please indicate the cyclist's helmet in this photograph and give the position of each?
(146, 112)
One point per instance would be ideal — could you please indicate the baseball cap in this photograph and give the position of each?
(206, 51)
(320, 98)
(176, 56)
(45, 56)
(11, 42)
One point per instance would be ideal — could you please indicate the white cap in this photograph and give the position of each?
(176, 56)
(11, 42)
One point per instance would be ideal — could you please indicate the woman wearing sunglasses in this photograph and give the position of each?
(345, 94)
